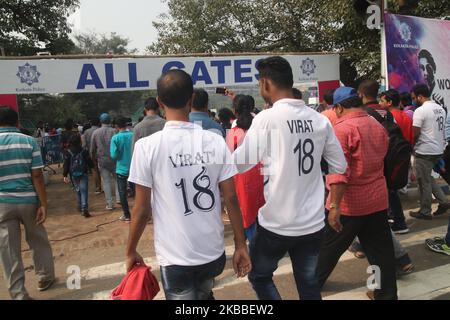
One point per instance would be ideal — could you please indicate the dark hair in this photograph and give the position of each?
(225, 116)
(75, 140)
(425, 54)
(69, 124)
(121, 122)
(405, 98)
(297, 94)
(201, 99)
(151, 104)
(392, 96)
(175, 89)
(353, 102)
(95, 122)
(278, 70)
(243, 108)
(328, 96)
(8, 117)
(369, 88)
(421, 90)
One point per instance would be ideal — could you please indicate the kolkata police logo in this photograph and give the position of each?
(28, 74)
(405, 32)
(308, 66)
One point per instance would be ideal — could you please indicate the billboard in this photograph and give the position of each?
(42, 76)
(417, 51)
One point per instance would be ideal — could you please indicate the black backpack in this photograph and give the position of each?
(78, 166)
(398, 157)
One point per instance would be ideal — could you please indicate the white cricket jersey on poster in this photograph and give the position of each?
(430, 118)
(183, 165)
(294, 189)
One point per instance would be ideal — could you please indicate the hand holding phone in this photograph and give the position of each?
(221, 90)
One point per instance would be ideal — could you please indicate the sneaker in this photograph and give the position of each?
(438, 245)
(442, 208)
(97, 192)
(109, 208)
(125, 218)
(86, 214)
(420, 215)
(46, 284)
(399, 229)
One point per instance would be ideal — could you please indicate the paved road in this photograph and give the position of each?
(100, 258)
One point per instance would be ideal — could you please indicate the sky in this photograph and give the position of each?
(129, 18)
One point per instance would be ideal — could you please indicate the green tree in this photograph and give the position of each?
(219, 26)
(92, 43)
(27, 27)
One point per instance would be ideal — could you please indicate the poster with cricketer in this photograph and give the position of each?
(417, 51)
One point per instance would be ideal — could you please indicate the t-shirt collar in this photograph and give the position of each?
(181, 125)
(290, 102)
(9, 129)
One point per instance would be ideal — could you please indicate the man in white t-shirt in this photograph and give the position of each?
(292, 220)
(428, 127)
(179, 173)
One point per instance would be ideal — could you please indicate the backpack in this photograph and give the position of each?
(398, 157)
(78, 165)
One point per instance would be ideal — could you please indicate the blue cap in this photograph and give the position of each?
(105, 118)
(343, 93)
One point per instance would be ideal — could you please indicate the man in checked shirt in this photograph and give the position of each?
(365, 197)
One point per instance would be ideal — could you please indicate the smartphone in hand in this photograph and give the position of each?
(221, 90)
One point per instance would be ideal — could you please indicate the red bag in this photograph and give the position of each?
(138, 284)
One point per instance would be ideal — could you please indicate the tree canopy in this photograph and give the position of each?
(27, 27)
(219, 26)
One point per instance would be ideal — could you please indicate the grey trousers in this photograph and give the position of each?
(427, 185)
(11, 216)
(109, 182)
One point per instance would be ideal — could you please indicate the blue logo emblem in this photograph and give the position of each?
(28, 74)
(308, 66)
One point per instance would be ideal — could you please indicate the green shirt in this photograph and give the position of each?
(19, 154)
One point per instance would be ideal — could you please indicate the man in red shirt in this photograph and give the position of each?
(390, 101)
(363, 205)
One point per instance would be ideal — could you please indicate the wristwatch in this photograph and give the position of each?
(333, 206)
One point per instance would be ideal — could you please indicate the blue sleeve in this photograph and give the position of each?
(114, 150)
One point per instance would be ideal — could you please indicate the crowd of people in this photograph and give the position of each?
(291, 179)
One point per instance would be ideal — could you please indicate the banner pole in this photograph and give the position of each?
(384, 71)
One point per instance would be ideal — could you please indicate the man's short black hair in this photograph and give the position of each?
(353, 102)
(421, 90)
(95, 122)
(328, 97)
(121, 122)
(278, 70)
(297, 94)
(393, 96)
(201, 99)
(151, 104)
(8, 117)
(369, 88)
(405, 99)
(175, 88)
(425, 54)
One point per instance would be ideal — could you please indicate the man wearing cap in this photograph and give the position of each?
(364, 202)
(100, 150)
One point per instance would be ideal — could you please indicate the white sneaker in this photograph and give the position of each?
(110, 208)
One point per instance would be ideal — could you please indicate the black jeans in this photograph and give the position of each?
(375, 236)
(191, 282)
(122, 186)
(396, 209)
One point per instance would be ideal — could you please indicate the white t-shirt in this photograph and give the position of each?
(430, 118)
(294, 191)
(183, 165)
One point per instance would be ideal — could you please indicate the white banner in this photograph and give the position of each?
(38, 76)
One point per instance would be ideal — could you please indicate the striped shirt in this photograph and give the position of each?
(19, 154)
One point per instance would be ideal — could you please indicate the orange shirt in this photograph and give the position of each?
(331, 115)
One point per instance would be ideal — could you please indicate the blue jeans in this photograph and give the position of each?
(191, 282)
(396, 209)
(81, 185)
(123, 193)
(268, 248)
